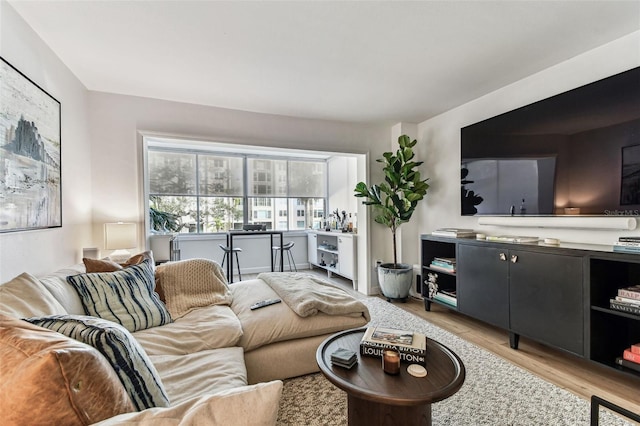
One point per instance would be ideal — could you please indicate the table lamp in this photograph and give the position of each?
(120, 237)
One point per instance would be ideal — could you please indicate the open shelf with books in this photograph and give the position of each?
(577, 298)
(613, 329)
(439, 282)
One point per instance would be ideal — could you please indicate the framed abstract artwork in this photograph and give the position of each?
(30, 155)
(630, 181)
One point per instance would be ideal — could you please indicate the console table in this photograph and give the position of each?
(555, 294)
(376, 398)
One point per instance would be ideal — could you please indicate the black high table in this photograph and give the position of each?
(234, 234)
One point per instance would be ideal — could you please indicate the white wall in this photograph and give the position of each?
(342, 178)
(116, 162)
(442, 138)
(42, 251)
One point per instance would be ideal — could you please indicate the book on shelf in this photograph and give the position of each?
(626, 249)
(628, 300)
(635, 348)
(454, 233)
(624, 307)
(629, 239)
(632, 292)
(447, 299)
(628, 364)
(630, 356)
(512, 239)
(628, 243)
(412, 346)
(443, 268)
(445, 260)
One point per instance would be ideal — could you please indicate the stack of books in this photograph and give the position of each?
(444, 264)
(630, 358)
(627, 300)
(454, 233)
(627, 245)
(412, 346)
(345, 358)
(448, 297)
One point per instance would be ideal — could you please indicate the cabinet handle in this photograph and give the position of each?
(503, 256)
(514, 258)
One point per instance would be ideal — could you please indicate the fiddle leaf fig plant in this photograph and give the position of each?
(395, 200)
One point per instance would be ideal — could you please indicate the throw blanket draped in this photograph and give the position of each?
(307, 295)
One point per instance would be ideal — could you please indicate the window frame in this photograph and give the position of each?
(245, 197)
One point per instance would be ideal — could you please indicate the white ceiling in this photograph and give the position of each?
(375, 62)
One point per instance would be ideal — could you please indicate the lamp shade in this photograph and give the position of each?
(120, 236)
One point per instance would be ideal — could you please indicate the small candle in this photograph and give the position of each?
(391, 361)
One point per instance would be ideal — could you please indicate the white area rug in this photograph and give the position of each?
(495, 392)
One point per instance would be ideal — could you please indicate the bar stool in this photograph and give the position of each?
(287, 249)
(228, 256)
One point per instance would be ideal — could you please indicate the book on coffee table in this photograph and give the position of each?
(412, 346)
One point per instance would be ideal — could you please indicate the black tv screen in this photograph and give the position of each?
(576, 153)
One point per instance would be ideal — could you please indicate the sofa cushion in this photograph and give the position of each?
(126, 356)
(124, 296)
(201, 373)
(255, 405)
(201, 329)
(192, 283)
(100, 265)
(25, 296)
(277, 323)
(108, 265)
(65, 293)
(48, 378)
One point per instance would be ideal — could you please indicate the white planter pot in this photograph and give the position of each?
(395, 283)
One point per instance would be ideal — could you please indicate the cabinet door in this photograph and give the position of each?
(483, 286)
(546, 298)
(312, 248)
(346, 256)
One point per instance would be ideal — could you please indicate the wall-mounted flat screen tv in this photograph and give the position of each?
(576, 153)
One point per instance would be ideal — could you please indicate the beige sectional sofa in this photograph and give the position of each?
(217, 361)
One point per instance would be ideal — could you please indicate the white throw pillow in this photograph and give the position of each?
(24, 296)
(254, 405)
(126, 297)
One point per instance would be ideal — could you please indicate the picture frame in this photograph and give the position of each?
(630, 176)
(30, 154)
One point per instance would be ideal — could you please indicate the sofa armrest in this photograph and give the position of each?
(254, 405)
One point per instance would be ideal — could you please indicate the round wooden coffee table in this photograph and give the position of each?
(377, 398)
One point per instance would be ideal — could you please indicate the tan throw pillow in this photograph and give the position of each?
(48, 378)
(25, 296)
(100, 265)
(192, 283)
(108, 265)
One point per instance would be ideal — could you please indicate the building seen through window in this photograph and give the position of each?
(208, 192)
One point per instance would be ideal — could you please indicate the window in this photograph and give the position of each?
(206, 191)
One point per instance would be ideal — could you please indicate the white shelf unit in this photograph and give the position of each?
(334, 252)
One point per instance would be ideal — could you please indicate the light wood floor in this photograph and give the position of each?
(578, 376)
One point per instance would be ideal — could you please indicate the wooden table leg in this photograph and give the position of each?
(369, 413)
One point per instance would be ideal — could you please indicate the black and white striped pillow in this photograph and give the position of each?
(130, 362)
(126, 296)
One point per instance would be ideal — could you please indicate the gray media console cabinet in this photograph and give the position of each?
(556, 295)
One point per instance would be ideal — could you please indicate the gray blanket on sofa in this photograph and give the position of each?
(307, 295)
